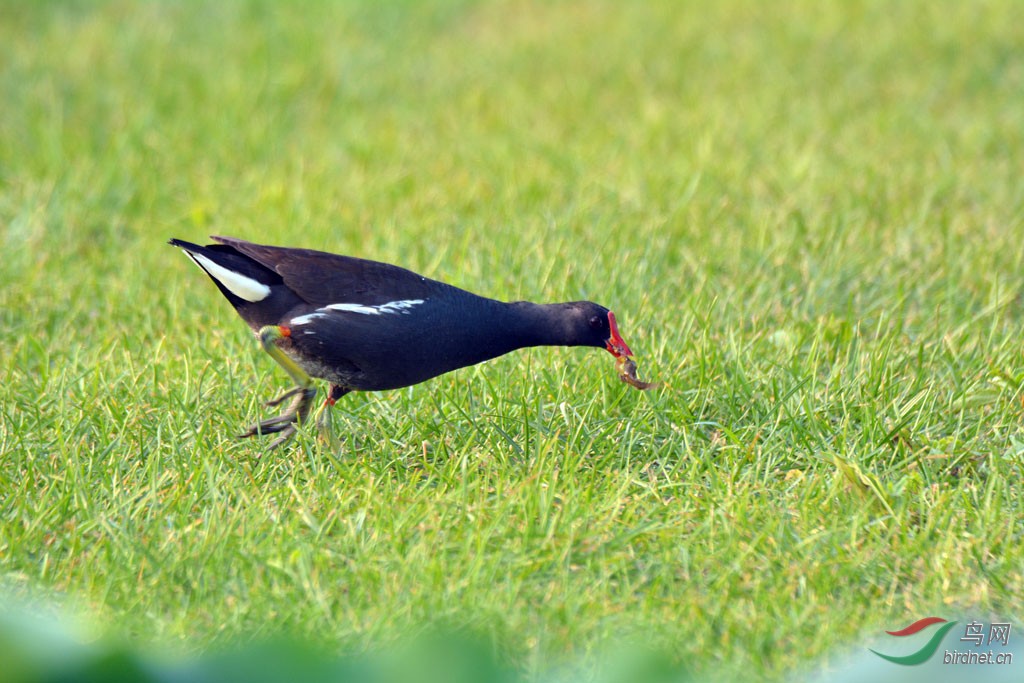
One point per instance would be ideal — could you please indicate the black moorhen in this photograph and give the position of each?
(366, 326)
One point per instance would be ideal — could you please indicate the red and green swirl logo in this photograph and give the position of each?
(928, 649)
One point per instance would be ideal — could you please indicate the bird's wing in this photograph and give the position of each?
(322, 279)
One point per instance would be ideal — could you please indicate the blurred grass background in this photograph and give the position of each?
(807, 216)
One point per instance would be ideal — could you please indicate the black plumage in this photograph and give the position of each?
(364, 325)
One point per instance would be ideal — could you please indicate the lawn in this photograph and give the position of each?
(808, 218)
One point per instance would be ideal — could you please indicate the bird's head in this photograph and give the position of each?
(597, 327)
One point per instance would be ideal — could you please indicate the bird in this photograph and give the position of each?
(364, 325)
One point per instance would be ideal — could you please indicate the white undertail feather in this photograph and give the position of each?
(242, 286)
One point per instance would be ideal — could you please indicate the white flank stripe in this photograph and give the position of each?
(241, 286)
(400, 306)
(308, 318)
(353, 308)
(390, 307)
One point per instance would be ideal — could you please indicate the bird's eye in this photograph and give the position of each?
(595, 322)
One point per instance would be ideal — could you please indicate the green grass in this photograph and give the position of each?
(807, 218)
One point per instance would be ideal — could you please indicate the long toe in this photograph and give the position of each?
(284, 397)
(284, 430)
(284, 424)
(285, 435)
(270, 426)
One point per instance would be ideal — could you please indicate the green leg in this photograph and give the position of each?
(269, 335)
(324, 428)
(302, 395)
(323, 422)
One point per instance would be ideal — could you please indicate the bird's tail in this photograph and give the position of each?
(241, 279)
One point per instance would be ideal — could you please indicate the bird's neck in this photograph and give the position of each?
(530, 324)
